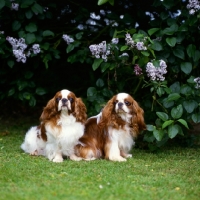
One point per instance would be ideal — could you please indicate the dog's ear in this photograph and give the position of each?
(107, 117)
(50, 110)
(138, 118)
(80, 110)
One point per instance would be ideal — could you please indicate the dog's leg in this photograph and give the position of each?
(113, 152)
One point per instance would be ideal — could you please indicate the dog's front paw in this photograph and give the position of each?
(34, 153)
(58, 159)
(75, 158)
(118, 158)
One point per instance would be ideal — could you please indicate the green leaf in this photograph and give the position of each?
(11, 92)
(26, 95)
(173, 130)
(91, 92)
(28, 74)
(167, 123)
(158, 134)
(162, 116)
(16, 25)
(32, 101)
(104, 66)
(173, 96)
(145, 53)
(123, 48)
(96, 63)
(186, 67)
(150, 127)
(70, 47)
(190, 105)
(171, 41)
(156, 46)
(101, 2)
(36, 8)
(29, 14)
(26, 4)
(191, 50)
(111, 2)
(183, 122)
(2, 4)
(31, 27)
(196, 56)
(196, 117)
(99, 83)
(48, 33)
(177, 112)
(186, 90)
(10, 63)
(79, 35)
(40, 91)
(30, 38)
(179, 53)
(175, 87)
(152, 31)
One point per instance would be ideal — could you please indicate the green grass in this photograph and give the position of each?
(172, 174)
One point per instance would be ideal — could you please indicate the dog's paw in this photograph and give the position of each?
(58, 159)
(119, 159)
(75, 158)
(35, 153)
(128, 155)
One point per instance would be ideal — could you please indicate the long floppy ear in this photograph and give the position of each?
(107, 113)
(138, 118)
(49, 111)
(80, 110)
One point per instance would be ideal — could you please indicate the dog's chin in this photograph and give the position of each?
(120, 110)
(64, 108)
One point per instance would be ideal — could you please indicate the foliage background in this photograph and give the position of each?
(171, 107)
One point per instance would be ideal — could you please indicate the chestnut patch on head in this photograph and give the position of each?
(127, 103)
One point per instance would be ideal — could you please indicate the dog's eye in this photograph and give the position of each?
(116, 101)
(127, 103)
(58, 99)
(71, 99)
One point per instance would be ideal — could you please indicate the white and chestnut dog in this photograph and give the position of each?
(111, 134)
(62, 124)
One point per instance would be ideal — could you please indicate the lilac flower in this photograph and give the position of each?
(68, 39)
(100, 50)
(15, 6)
(140, 46)
(156, 73)
(129, 40)
(197, 81)
(36, 48)
(115, 40)
(137, 70)
(124, 54)
(19, 46)
(193, 6)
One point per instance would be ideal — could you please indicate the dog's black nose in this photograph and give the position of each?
(64, 100)
(120, 104)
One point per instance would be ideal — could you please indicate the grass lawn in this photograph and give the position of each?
(172, 174)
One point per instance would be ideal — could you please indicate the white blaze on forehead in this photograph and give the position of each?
(65, 93)
(121, 97)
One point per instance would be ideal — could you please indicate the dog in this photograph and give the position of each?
(62, 124)
(111, 133)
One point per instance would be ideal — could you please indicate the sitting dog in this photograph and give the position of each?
(111, 133)
(62, 124)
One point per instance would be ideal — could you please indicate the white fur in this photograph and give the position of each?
(61, 142)
(121, 140)
(64, 94)
(33, 143)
